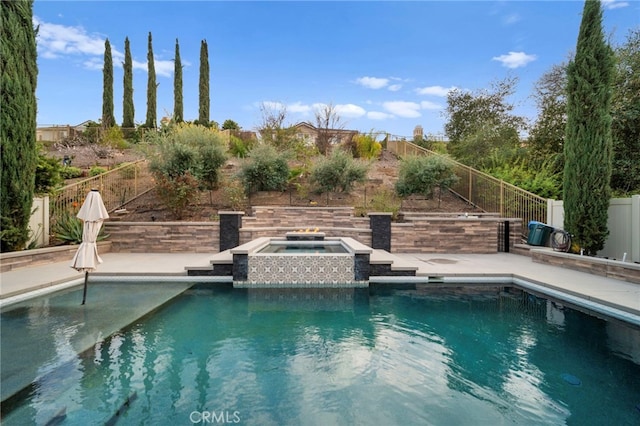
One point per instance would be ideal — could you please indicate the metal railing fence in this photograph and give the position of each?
(117, 187)
(485, 191)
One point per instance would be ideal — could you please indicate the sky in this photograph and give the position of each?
(383, 66)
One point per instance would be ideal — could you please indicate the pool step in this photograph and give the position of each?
(221, 264)
(383, 263)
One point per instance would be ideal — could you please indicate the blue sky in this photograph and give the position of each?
(385, 66)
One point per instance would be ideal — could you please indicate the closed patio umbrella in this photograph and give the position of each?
(92, 213)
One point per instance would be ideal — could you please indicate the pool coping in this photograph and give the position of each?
(589, 304)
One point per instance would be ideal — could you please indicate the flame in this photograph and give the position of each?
(307, 230)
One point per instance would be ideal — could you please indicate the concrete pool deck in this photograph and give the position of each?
(607, 291)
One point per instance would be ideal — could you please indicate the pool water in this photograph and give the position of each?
(437, 356)
(303, 247)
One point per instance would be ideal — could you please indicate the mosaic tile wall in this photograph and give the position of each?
(301, 269)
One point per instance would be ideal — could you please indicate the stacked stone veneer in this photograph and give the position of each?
(43, 256)
(416, 234)
(605, 267)
(428, 234)
(163, 237)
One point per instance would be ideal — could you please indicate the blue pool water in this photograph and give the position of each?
(439, 356)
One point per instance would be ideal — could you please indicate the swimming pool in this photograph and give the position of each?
(428, 355)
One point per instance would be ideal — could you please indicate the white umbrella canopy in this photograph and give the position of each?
(93, 213)
(93, 208)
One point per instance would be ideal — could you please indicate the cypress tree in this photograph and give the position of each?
(151, 89)
(18, 152)
(108, 120)
(128, 111)
(178, 108)
(203, 116)
(588, 143)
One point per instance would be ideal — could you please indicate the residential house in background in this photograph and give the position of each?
(58, 133)
(309, 133)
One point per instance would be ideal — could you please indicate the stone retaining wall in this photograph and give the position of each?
(450, 235)
(616, 269)
(417, 234)
(42, 256)
(164, 237)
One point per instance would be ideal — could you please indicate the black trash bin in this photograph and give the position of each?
(538, 233)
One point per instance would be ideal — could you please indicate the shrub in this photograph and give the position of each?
(265, 170)
(195, 136)
(238, 147)
(543, 181)
(97, 170)
(114, 138)
(70, 172)
(68, 228)
(366, 146)
(234, 195)
(385, 201)
(422, 174)
(211, 158)
(186, 158)
(337, 172)
(48, 174)
(176, 193)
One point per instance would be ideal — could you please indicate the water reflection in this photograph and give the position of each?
(426, 356)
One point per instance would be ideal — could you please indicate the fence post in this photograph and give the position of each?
(470, 184)
(501, 197)
(635, 228)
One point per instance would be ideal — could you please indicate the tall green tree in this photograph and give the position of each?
(178, 108)
(482, 124)
(203, 110)
(108, 119)
(152, 87)
(625, 110)
(588, 144)
(229, 124)
(128, 110)
(18, 151)
(546, 138)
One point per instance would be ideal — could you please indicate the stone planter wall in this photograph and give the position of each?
(42, 256)
(616, 269)
(164, 237)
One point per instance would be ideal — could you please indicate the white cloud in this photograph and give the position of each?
(614, 4)
(435, 90)
(94, 64)
(372, 82)
(272, 105)
(350, 110)
(515, 59)
(299, 108)
(395, 87)
(511, 19)
(430, 105)
(378, 115)
(403, 108)
(55, 41)
(163, 68)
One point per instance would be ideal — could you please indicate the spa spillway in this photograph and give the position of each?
(301, 260)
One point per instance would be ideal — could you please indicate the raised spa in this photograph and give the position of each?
(301, 261)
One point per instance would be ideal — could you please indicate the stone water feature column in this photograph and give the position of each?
(230, 224)
(380, 224)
